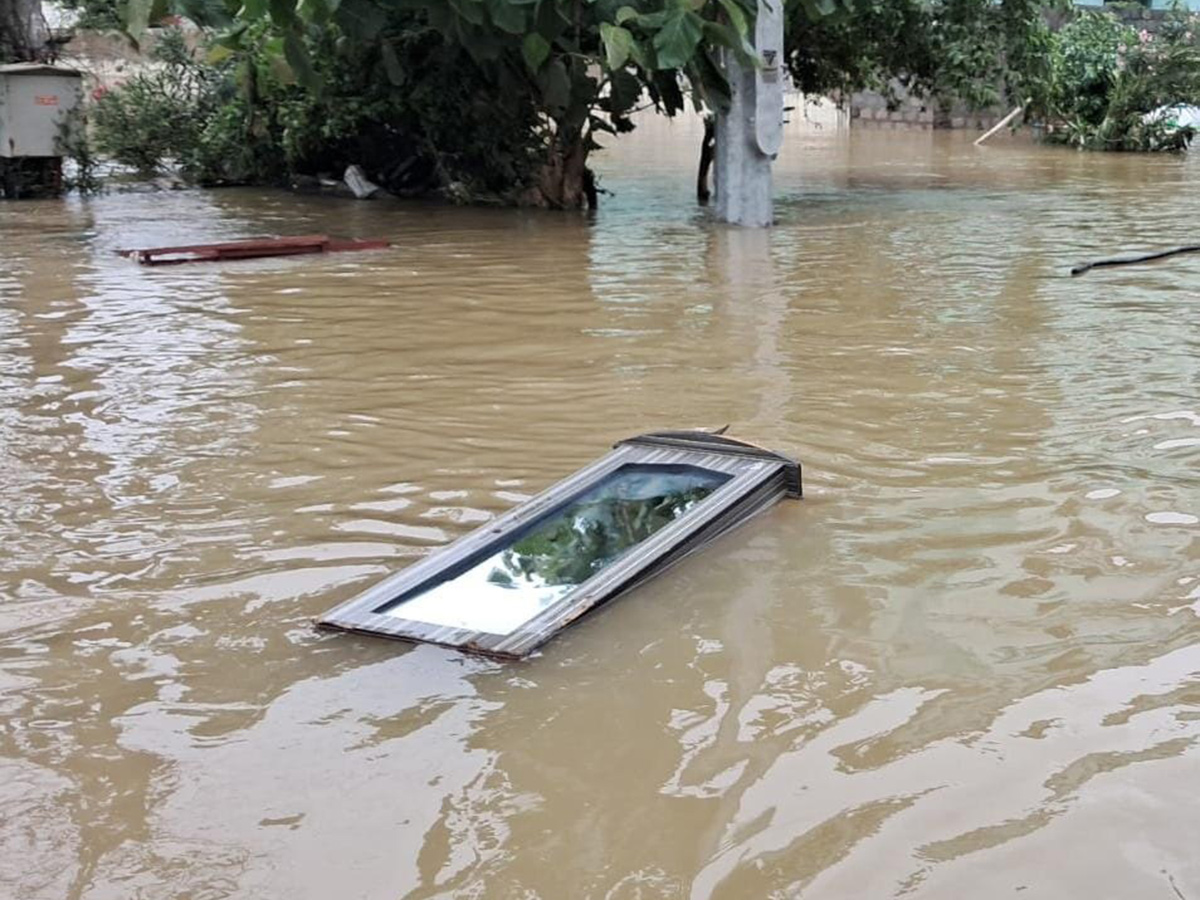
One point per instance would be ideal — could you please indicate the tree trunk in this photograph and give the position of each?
(708, 148)
(24, 36)
(565, 181)
(942, 112)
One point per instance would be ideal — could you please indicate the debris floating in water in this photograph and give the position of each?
(1130, 260)
(510, 586)
(252, 249)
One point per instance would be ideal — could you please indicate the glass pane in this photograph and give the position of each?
(512, 582)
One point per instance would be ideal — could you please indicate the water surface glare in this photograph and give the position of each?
(966, 665)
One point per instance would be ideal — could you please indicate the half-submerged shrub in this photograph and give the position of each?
(1112, 85)
(157, 118)
(421, 118)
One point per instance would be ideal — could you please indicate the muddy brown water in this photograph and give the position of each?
(967, 664)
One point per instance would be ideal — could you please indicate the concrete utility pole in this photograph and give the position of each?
(750, 134)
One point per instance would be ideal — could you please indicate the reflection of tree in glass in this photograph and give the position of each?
(603, 523)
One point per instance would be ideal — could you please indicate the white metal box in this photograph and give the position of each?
(35, 102)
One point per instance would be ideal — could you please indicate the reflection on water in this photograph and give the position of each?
(966, 664)
(556, 554)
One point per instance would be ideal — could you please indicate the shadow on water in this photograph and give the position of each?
(968, 658)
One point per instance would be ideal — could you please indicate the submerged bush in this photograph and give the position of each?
(414, 110)
(1108, 80)
(158, 117)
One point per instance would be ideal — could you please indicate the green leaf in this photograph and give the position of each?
(723, 36)
(713, 84)
(253, 10)
(676, 40)
(316, 11)
(275, 62)
(442, 18)
(391, 64)
(217, 54)
(641, 55)
(535, 49)
(507, 16)
(624, 91)
(140, 14)
(666, 92)
(819, 9)
(360, 19)
(550, 21)
(625, 13)
(297, 57)
(283, 12)
(618, 44)
(556, 85)
(737, 18)
(482, 42)
(469, 10)
(231, 37)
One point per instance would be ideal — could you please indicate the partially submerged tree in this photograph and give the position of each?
(24, 36)
(584, 67)
(976, 51)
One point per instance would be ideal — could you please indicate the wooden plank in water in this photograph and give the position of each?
(252, 249)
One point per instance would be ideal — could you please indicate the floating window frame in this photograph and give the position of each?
(757, 478)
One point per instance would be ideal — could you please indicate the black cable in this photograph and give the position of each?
(1129, 260)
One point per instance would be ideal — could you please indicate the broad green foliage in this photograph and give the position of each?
(238, 118)
(583, 66)
(973, 50)
(577, 56)
(1107, 78)
(1085, 61)
(160, 115)
(412, 109)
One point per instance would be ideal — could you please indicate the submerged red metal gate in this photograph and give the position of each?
(254, 249)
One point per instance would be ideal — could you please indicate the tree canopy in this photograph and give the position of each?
(584, 66)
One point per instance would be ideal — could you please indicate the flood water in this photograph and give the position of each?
(967, 664)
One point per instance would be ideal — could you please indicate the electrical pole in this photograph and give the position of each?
(750, 133)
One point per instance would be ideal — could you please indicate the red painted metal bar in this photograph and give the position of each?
(253, 249)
